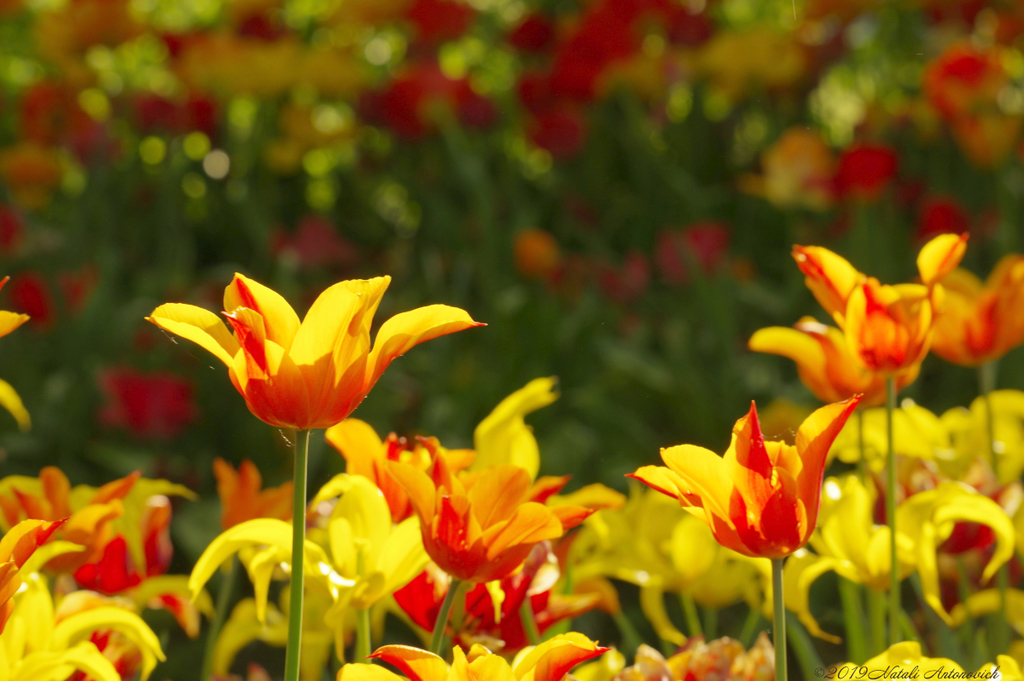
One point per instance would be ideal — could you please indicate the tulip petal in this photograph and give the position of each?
(81, 625)
(9, 321)
(407, 329)
(802, 569)
(402, 556)
(814, 438)
(940, 256)
(652, 602)
(497, 493)
(200, 326)
(531, 523)
(704, 474)
(242, 628)
(416, 664)
(359, 443)
(366, 672)
(278, 317)
(830, 277)
(83, 657)
(791, 343)
(503, 436)
(418, 486)
(552, 659)
(661, 479)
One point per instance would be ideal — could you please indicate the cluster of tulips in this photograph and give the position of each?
(482, 557)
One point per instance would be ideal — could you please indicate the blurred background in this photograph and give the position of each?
(613, 186)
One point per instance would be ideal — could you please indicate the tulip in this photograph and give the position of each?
(824, 362)
(550, 661)
(17, 546)
(313, 374)
(241, 498)
(850, 544)
(762, 498)
(980, 323)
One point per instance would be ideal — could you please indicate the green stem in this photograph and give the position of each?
(227, 588)
(690, 612)
(853, 615)
(779, 634)
(631, 639)
(803, 649)
(293, 653)
(890, 515)
(876, 606)
(437, 638)
(711, 622)
(529, 623)
(750, 627)
(362, 635)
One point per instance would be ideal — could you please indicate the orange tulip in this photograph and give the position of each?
(888, 328)
(761, 499)
(16, 547)
(981, 322)
(313, 374)
(484, 529)
(824, 362)
(241, 498)
(549, 661)
(366, 455)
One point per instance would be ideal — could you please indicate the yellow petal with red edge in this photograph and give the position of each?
(416, 664)
(814, 438)
(503, 436)
(531, 523)
(171, 593)
(84, 657)
(407, 329)
(81, 625)
(200, 326)
(661, 479)
(359, 443)
(282, 400)
(704, 474)
(802, 569)
(571, 516)
(23, 539)
(279, 318)
(419, 488)
(10, 401)
(366, 672)
(830, 277)
(940, 256)
(9, 321)
(552, 659)
(497, 493)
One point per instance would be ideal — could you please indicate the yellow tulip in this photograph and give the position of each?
(968, 433)
(38, 643)
(504, 438)
(917, 433)
(902, 657)
(850, 544)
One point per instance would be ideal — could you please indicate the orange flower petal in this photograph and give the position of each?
(814, 438)
(531, 523)
(419, 487)
(418, 665)
(359, 443)
(704, 474)
(830, 277)
(497, 493)
(200, 326)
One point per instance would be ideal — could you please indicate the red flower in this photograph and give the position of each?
(628, 282)
(705, 243)
(12, 230)
(562, 132)
(941, 215)
(536, 34)
(438, 21)
(865, 170)
(153, 406)
(30, 294)
(316, 243)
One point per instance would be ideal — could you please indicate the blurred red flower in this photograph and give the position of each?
(31, 295)
(941, 215)
(705, 243)
(534, 35)
(438, 21)
(865, 170)
(627, 282)
(316, 243)
(156, 406)
(562, 132)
